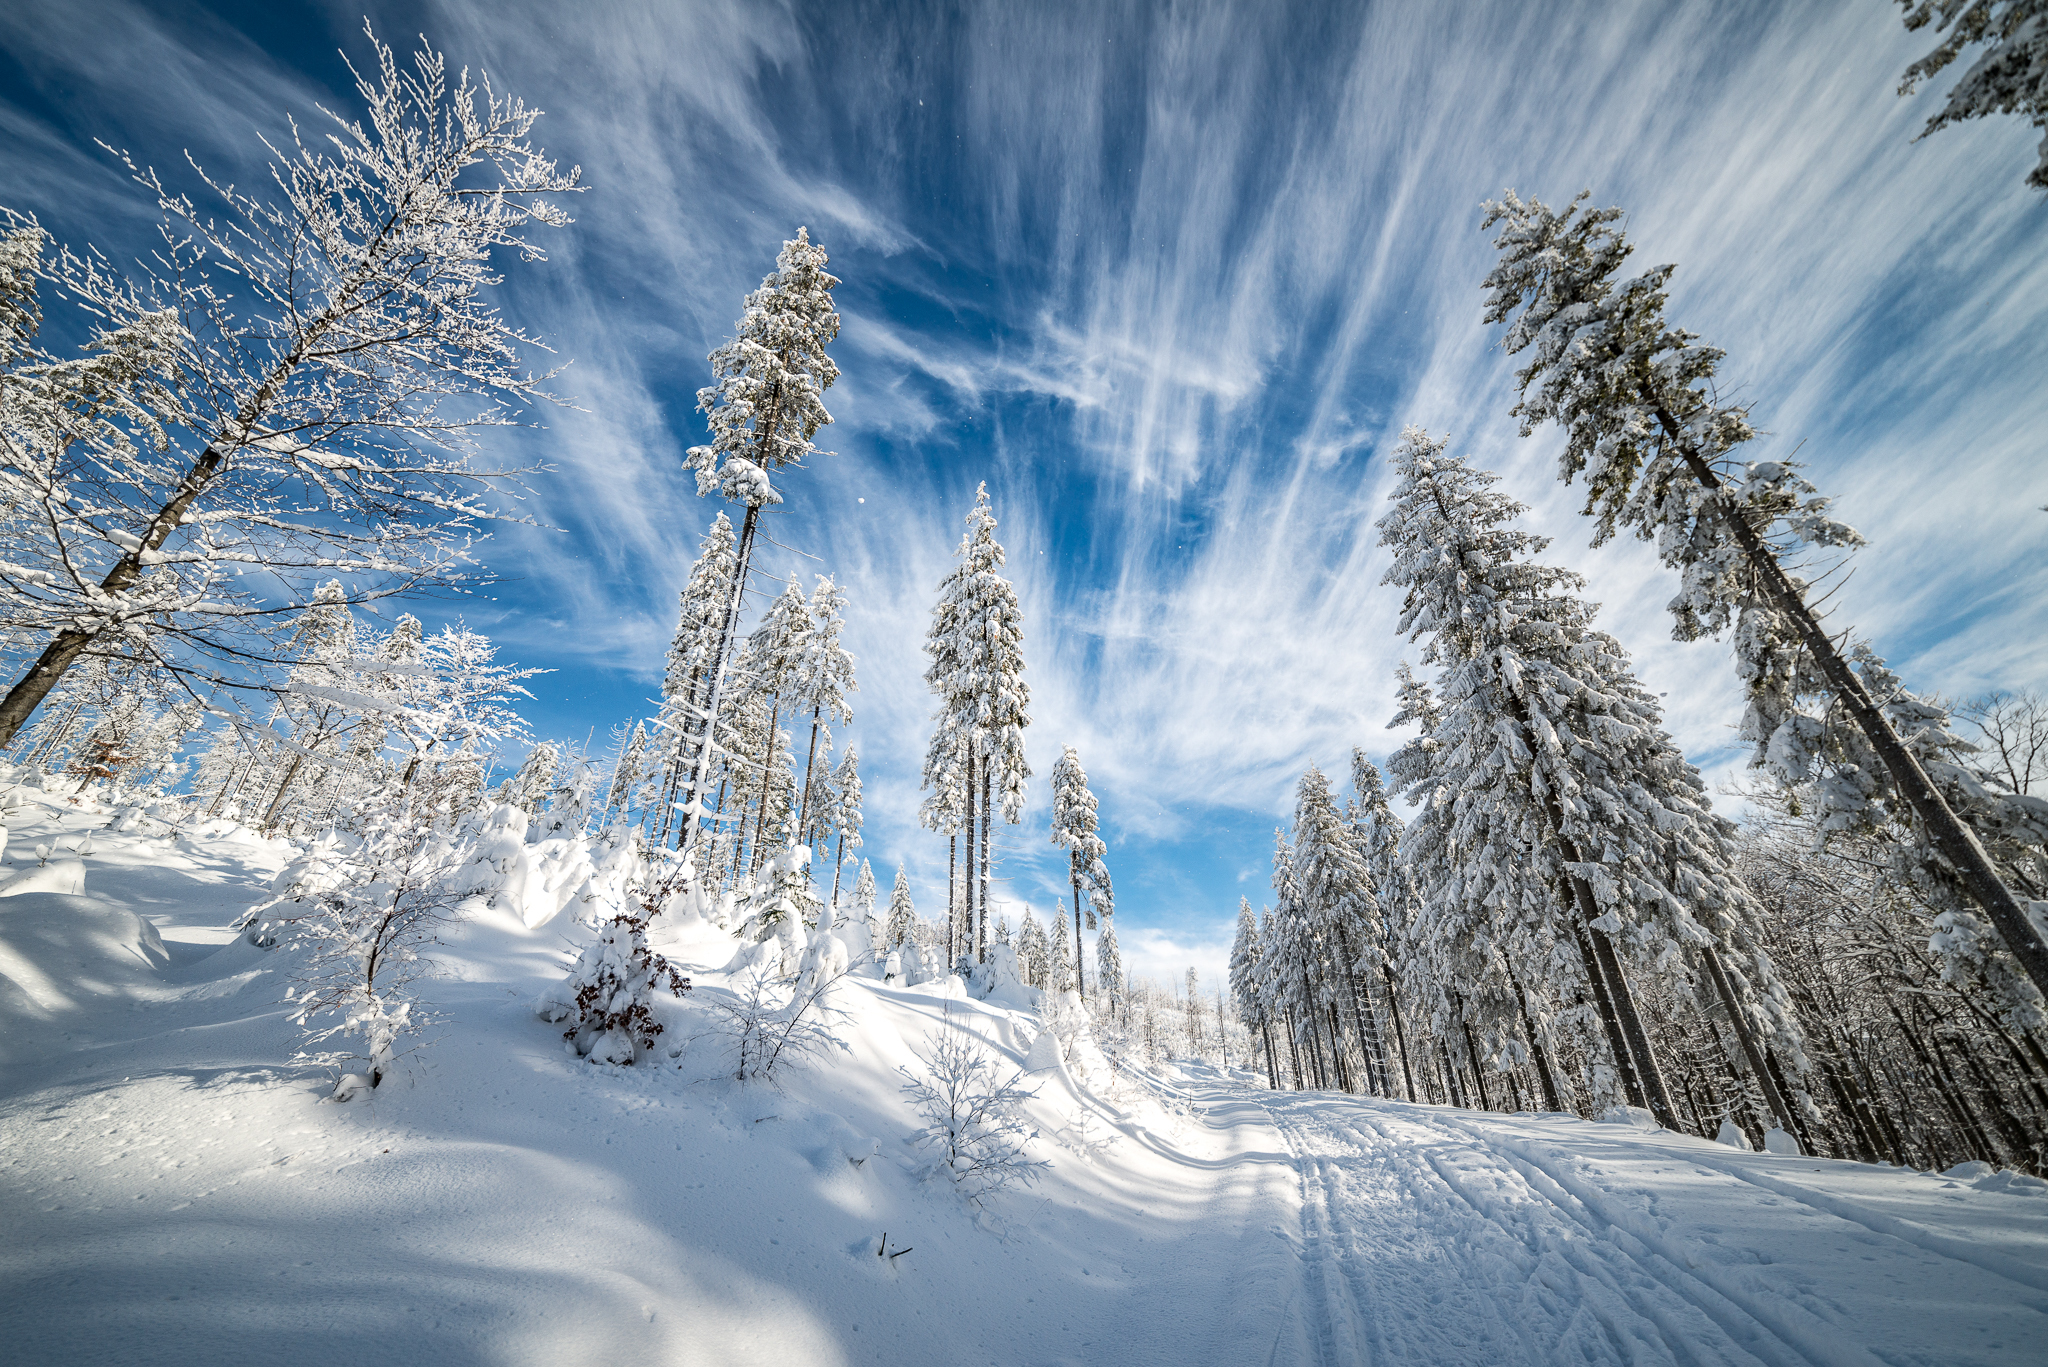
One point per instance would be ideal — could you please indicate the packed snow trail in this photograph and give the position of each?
(174, 1189)
(1439, 1236)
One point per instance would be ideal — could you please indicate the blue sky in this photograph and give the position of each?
(1170, 279)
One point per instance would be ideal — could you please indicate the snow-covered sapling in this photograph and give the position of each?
(364, 930)
(608, 993)
(767, 1026)
(974, 1133)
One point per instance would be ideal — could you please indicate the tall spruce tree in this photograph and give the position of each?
(1074, 828)
(765, 405)
(1333, 889)
(821, 676)
(902, 915)
(686, 674)
(1657, 448)
(1376, 832)
(1548, 786)
(844, 825)
(1247, 985)
(1109, 968)
(976, 645)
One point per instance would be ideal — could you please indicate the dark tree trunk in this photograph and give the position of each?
(1400, 1035)
(1746, 1037)
(1074, 880)
(981, 911)
(957, 948)
(1550, 1098)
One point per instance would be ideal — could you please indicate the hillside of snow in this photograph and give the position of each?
(175, 1186)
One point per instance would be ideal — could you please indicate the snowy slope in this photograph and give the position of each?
(173, 1189)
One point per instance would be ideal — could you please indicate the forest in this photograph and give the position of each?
(251, 483)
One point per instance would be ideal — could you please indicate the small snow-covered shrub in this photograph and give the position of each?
(974, 1131)
(608, 992)
(768, 1025)
(364, 923)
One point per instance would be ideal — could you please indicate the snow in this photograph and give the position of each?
(175, 1189)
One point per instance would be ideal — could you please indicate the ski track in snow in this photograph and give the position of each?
(1439, 1236)
(172, 1190)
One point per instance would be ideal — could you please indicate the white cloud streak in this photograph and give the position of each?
(1169, 279)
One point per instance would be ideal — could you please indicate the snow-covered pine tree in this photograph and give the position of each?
(948, 778)
(865, 910)
(2010, 77)
(902, 915)
(1333, 888)
(1545, 751)
(1298, 962)
(1376, 833)
(1109, 968)
(845, 824)
(769, 665)
(822, 675)
(686, 674)
(1074, 828)
(1032, 950)
(629, 769)
(1634, 397)
(1247, 982)
(976, 644)
(531, 787)
(1059, 975)
(339, 317)
(764, 408)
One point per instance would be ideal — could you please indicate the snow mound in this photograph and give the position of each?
(62, 876)
(58, 952)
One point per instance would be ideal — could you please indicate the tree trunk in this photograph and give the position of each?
(700, 764)
(838, 867)
(981, 913)
(767, 778)
(1747, 1038)
(70, 643)
(1617, 1042)
(1369, 1043)
(803, 806)
(1272, 1068)
(1955, 841)
(1293, 1049)
(1618, 1008)
(1074, 880)
(958, 948)
(1550, 1095)
(284, 787)
(1478, 1068)
(1648, 1072)
(1400, 1035)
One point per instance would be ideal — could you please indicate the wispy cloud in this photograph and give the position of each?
(1171, 280)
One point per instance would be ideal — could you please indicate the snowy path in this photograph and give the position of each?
(1430, 1236)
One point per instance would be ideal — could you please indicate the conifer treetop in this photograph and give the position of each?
(1635, 397)
(767, 400)
(1074, 828)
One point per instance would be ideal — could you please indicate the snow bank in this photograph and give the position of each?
(60, 875)
(60, 953)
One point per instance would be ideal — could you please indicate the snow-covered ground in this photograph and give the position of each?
(174, 1189)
